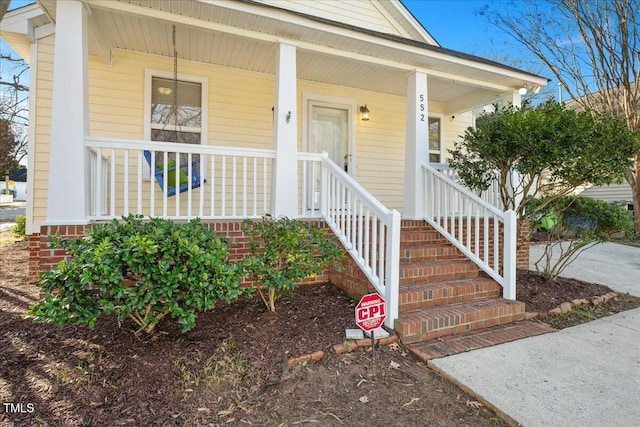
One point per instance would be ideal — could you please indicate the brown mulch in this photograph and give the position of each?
(227, 370)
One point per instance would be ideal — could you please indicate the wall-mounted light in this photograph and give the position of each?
(365, 113)
(528, 87)
(163, 90)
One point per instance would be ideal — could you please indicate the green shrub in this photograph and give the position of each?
(144, 270)
(20, 229)
(284, 251)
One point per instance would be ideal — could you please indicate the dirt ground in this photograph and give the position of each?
(228, 370)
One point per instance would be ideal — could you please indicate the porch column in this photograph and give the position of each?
(513, 98)
(284, 194)
(417, 145)
(67, 201)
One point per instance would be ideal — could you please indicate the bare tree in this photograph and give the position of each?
(592, 48)
(14, 112)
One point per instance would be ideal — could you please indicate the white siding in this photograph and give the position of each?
(610, 193)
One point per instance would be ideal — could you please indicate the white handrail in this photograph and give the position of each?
(368, 230)
(484, 233)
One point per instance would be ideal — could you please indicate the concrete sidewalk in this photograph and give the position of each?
(586, 375)
(611, 264)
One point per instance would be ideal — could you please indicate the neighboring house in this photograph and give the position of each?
(255, 91)
(619, 194)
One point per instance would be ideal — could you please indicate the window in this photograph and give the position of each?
(435, 146)
(175, 111)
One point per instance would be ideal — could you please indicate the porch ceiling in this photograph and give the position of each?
(244, 35)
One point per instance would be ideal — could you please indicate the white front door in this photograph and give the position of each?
(328, 130)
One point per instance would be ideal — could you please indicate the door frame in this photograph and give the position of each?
(309, 99)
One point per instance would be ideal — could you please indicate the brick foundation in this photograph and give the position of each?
(41, 257)
(523, 245)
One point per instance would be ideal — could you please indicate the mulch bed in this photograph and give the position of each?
(228, 370)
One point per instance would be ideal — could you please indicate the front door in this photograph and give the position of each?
(328, 129)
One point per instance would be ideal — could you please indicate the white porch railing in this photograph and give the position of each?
(483, 232)
(491, 194)
(369, 231)
(238, 181)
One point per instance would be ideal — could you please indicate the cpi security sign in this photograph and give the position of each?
(371, 312)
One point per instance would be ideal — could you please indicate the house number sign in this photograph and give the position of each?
(421, 107)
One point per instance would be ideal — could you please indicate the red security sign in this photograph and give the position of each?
(371, 312)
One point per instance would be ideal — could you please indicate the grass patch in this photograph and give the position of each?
(8, 238)
(226, 365)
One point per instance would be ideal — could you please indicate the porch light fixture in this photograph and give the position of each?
(162, 90)
(365, 113)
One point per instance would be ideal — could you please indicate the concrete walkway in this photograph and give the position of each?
(611, 264)
(586, 375)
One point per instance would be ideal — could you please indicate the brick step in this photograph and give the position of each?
(429, 294)
(407, 224)
(425, 237)
(437, 270)
(433, 322)
(411, 253)
(454, 344)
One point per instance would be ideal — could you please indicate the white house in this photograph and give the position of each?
(338, 111)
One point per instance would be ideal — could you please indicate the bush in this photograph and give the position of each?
(20, 229)
(284, 251)
(584, 222)
(141, 270)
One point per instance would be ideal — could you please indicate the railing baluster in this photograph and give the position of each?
(360, 232)
(303, 202)
(189, 189)
(381, 252)
(496, 243)
(112, 189)
(244, 186)
(176, 184)
(374, 243)
(125, 183)
(486, 236)
(139, 192)
(233, 185)
(223, 200)
(255, 186)
(264, 185)
(98, 182)
(367, 233)
(203, 162)
(152, 186)
(165, 181)
(213, 186)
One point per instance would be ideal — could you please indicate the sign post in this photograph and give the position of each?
(370, 314)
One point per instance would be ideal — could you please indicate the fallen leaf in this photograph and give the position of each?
(393, 365)
(394, 346)
(474, 404)
(364, 399)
